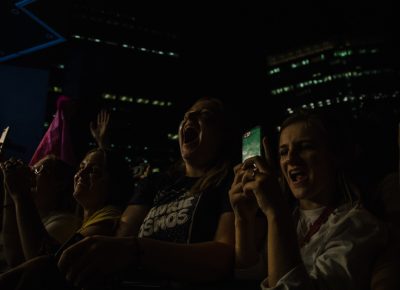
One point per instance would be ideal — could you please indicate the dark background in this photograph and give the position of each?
(222, 52)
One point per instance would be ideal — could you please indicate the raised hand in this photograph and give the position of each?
(263, 183)
(99, 130)
(18, 177)
(244, 204)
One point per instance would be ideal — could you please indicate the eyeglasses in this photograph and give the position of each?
(38, 169)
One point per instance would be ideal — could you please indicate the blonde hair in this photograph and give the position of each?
(63, 174)
(338, 142)
(120, 186)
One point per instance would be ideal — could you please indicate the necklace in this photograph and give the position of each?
(315, 226)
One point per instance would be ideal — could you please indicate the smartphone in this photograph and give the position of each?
(3, 138)
(252, 143)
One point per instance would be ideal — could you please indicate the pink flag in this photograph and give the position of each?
(57, 139)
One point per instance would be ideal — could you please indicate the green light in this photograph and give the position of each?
(274, 71)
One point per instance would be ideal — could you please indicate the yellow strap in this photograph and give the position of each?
(106, 213)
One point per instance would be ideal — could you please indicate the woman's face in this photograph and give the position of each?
(307, 164)
(200, 133)
(91, 181)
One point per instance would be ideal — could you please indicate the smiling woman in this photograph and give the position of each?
(330, 240)
(101, 187)
(314, 152)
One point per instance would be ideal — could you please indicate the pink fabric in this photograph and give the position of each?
(57, 139)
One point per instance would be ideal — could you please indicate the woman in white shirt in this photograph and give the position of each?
(329, 241)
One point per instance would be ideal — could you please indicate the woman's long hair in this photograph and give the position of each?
(120, 185)
(63, 174)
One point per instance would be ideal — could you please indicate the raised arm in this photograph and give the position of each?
(283, 253)
(100, 129)
(17, 181)
(249, 229)
(11, 241)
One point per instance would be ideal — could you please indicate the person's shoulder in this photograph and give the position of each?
(355, 219)
(354, 212)
(60, 216)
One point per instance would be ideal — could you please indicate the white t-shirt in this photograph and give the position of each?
(340, 255)
(61, 225)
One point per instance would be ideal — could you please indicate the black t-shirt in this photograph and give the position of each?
(177, 215)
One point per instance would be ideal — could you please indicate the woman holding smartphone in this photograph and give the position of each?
(38, 207)
(329, 241)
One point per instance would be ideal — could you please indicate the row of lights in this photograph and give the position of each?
(339, 53)
(344, 99)
(304, 62)
(128, 46)
(55, 89)
(87, 9)
(138, 100)
(128, 158)
(126, 25)
(328, 102)
(328, 78)
(172, 136)
(348, 52)
(343, 53)
(112, 145)
(107, 19)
